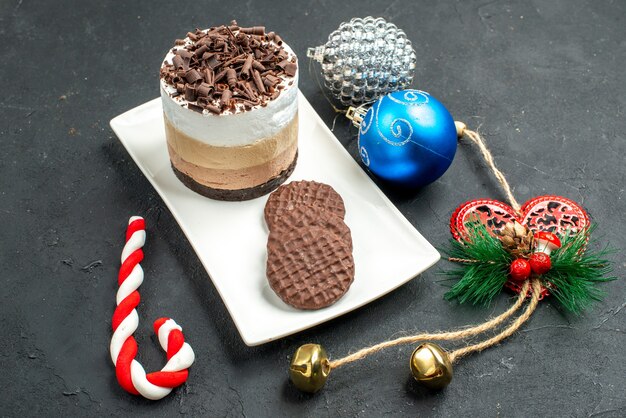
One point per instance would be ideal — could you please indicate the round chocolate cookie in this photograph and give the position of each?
(311, 193)
(309, 268)
(308, 216)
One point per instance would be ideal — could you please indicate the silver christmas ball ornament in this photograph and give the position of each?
(365, 59)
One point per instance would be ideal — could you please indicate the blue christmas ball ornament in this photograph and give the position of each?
(407, 138)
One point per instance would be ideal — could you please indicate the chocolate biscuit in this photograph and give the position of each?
(308, 216)
(310, 193)
(309, 267)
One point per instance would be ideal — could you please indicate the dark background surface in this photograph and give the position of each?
(545, 81)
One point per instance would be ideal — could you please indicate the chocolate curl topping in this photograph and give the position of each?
(192, 76)
(183, 53)
(241, 93)
(178, 62)
(190, 93)
(195, 108)
(268, 85)
(214, 109)
(291, 69)
(200, 51)
(204, 89)
(219, 76)
(243, 40)
(252, 93)
(257, 81)
(225, 99)
(255, 30)
(228, 67)
(209, 76)
(233, 60)
(231, 77)
(272, 79)
(213, 62)
(278, 40)
(258, 66)
(245, 70)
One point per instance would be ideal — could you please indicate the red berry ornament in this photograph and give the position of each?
(540, 263)
(520, 270)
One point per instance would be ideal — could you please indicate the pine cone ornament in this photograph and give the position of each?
(365, 59)
(516, 238)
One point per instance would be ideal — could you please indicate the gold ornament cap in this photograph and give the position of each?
(460, 128)
(431, 366)
(309, 368)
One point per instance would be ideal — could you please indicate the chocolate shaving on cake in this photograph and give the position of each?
(258, 66)
(219, 76)
(195, 108)
(258, 82)
(192, 76)
(190, 93)
(225, 99)
(178, 62)
(213, 109)
(247, 65)
(291, 69)
(231, 77)
(204, 90)
(209, 76)
(184, 54)
(256, 30)
(227, 68)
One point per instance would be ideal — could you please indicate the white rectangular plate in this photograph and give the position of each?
(230, 237)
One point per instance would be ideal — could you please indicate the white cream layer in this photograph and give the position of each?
(232, 129)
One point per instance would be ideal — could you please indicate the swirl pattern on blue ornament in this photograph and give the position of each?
(396, 131)
(411, 97)
(414, 140)
(365, 126)
(364, 157)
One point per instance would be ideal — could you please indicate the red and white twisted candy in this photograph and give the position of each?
(130, 373)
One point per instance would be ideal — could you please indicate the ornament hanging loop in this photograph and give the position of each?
(317, 53)
(356, 115)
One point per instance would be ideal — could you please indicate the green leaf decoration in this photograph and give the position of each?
(576, 270)
(484, 268)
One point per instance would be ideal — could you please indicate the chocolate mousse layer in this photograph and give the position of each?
(232, 168)
(262, 150)
(238, 194)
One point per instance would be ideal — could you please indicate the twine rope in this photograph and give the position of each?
(440, 336)
(477, 139)
(507, 332)
(465, 333)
